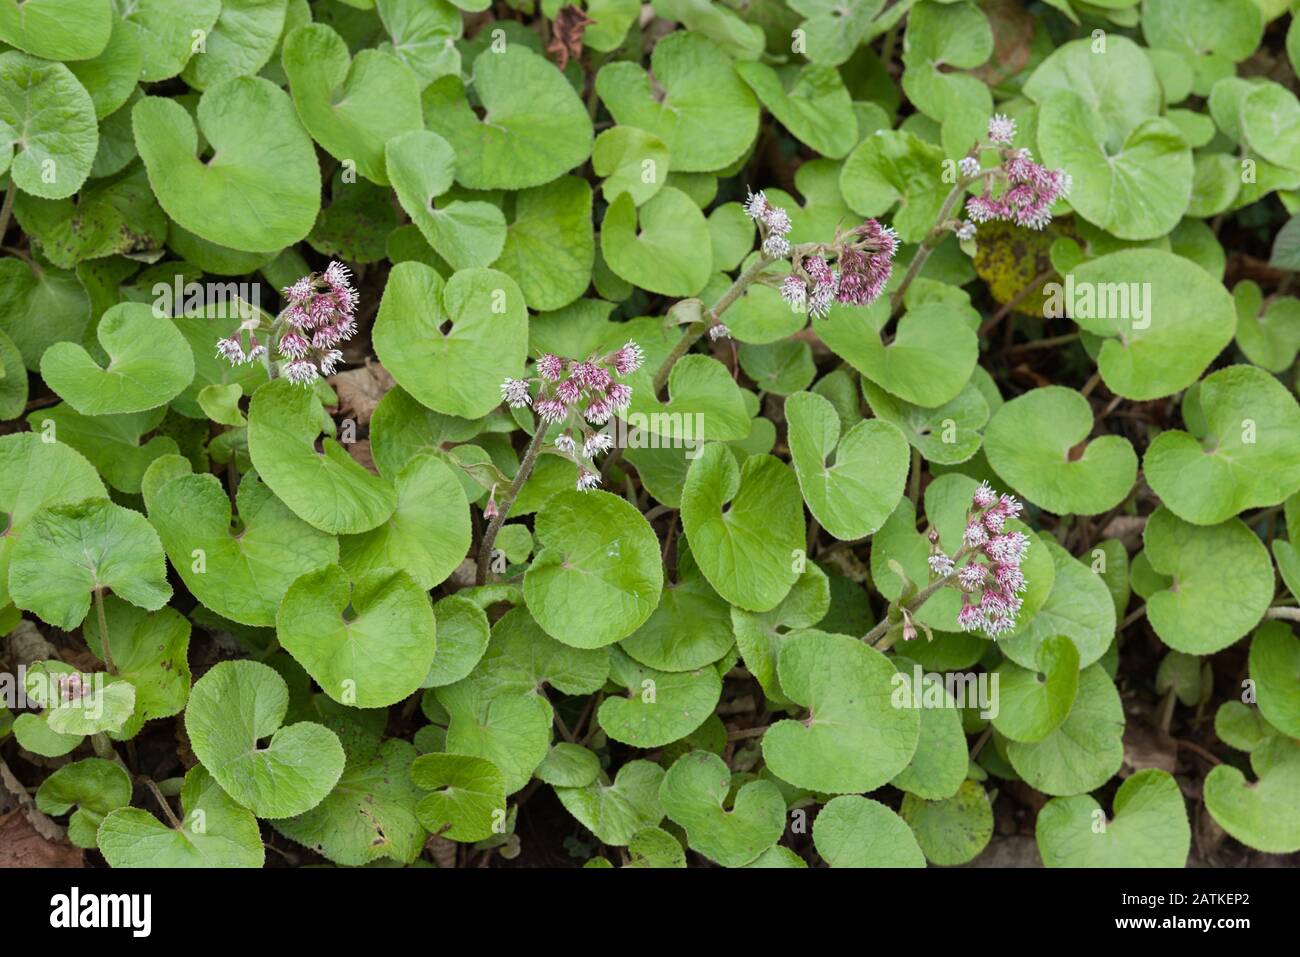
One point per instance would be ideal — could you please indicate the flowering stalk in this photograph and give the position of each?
(1026, 198)
(320, 315)
(498, 513)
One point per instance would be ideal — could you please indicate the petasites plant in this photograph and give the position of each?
(785, 434)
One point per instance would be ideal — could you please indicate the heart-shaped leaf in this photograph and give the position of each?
(550, 247)
(811, 102)
(241, 41)
(259, 190)
(853, 739)
(852, 496)
(40, 306)
(1275, 666)
(463, 634)
(896, 167)
(570, 766)
(112, 443)
(234, 707)
(1163, 318)
(660, 706)
(94, 787)
(328, 489)
(149, 364)
(1033, 442)
(468, 800)
(745, 524)
(1084, 750)
(854, 831)
(1149, 828)
(940, 762)
(692, 795)
(166, 32)
(48, 132)
(351, 107)
(116, 216)
(215, 831)
(598, 572)
(57, 29)
(150, 650)
(706, 115)
(946, 434)
(1243, 450)
(616, 812)
(704, 404)
(533, 127)
(1219, 582)
(458, 373)
(368, 642)
(658, 247)
(1033, 703)
(1261, 814)
(952, 831)
(689, 628)
(631, 161)
(759, 635)
(70, 551)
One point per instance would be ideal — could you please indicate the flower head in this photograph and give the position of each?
(970, 617)
(777, 220)
(565, 443)
(940, 564)
(968, 166)
(587, 479)
(972, 576)
(718, 331)
(755, 204)
(514, 392)
(569, 391)
(1002, 129)
(550, 367)
(965, 231)
(551, 410)
(597, 442)
(628, 359)
(231, 350)
(599, 411)
(301, 371)
(794, 291)
(619, 395)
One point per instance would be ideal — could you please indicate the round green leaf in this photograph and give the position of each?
(759, 635)
(598, 571)
(632, 161)
(616, 812)
(1032, 703)
(368, 643)
(854, 831)
(810, 102)
(149, 364)
(550, 247)
(166, 32)
(236, 705)
(745, 524)
(854, 739)
(952, 831)
(150, 650)
(1032, 443)
(463, 634)
(40, 306)
(1261, 814)
(1275, 666)
(328, 490)
(660, 706)
(57, 29)
(662, 247)
(570, 766)
(240, 42)
(1243, 450)
(946, 434)
(1149, 828)
(458, 373)
(854, 494)
(468, 799)
(48, 129)
(94, 787)
(692, 795)
(689, 628)
(260, 189)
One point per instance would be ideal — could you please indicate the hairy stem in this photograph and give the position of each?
(689, 339)
(103, 630)
(874, 636)
(1283, 612)
(508, 500)
(162, 801)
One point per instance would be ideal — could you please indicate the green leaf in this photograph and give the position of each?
(598, 573)
(570, 766)
(1200, 27)
(854, 739)
(1149, 828)
(33, 475)
(1261, 814)
(1220, 582)
(371, 813)
(234, 707)
(468, 799)
(533, 127)
(111, 442)
(689, 628)
(1033, 443)
(631, 161)
(328, 490)
(367, 641)
(617, 812)
(57, 29)
(215, 832)
(940, 762)
(94, 787)
(428, 533)
(692, 794)
(1078, 606)
(40, 306)
(1243, 450)
(952, 831)
(810, 102)
(106, 704)
(704, 404)
(260, 189)
(662, 247)
(13, 380)
(458, 373)
(239, 43)
(947, 434)
(150, 650)
(759, 636)
(745, 524)
(149, 364)
(1275, 666)
(706, 114)
(48, 129)
(462, 233)
(1085, 750)
(117, 216)
(655, 847)
(852, 484)
(1034, 702)
(1175, 321)
(69, 551)
(351, 107)
(550, 246)
(854, 831)
(896, 167)
(660, 707)
(165, 31)
(423, 35)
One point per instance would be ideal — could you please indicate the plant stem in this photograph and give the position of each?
(8, 206)
(508, 500)
(920, 598)
(690, 338)
(103, 630)
(158, 796)
(1283, 612)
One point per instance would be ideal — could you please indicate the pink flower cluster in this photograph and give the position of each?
(991, 581)
(1029, 190)
(580, 394)
(773, 223)
(320, 314)
(864, 261)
